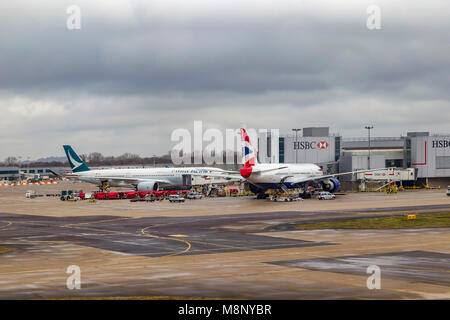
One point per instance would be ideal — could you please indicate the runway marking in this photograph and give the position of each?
(167, 238)
(98, 221)
(224, 245)
(72, 226)
(88, 228)
(196, 241)
(121, 232)
(174, 237)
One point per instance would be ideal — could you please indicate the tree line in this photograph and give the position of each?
(96, 159)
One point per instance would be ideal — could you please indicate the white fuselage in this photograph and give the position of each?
(172, 175)
(289, 174)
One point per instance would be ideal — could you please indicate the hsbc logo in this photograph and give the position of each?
(441, 144)
(310, 145)
(322, 145)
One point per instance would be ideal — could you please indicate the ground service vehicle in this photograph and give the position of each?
(324, 195)
(194, 195)
(282, 198)
(30, 194)
(176, 198)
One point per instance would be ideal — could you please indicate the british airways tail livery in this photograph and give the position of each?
(248, 151)
(264, 176)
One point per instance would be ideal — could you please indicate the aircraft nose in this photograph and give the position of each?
(246, 172)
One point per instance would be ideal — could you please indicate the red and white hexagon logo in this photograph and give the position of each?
(322, 145)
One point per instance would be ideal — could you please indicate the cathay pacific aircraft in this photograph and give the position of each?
(142, 179)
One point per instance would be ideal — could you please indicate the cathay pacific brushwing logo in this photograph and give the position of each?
(74, 162)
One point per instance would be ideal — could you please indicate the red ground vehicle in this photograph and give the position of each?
(133, 194)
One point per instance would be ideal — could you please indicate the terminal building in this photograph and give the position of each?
(430, 154)
(313, 145)
(9, 173)
(427, 154)
(14, 174)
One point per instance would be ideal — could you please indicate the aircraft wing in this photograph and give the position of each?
(320, 178)
(228, 171)
(163, 182)
(56, 174)
(70, 176)
(223, 175)
(268, 170)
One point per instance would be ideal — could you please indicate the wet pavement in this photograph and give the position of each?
(412, 266)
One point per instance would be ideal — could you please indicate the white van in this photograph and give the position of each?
(325, 195)
(176, 198)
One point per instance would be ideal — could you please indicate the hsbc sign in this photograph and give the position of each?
(322, 145)
(310, 145)
(441, 143)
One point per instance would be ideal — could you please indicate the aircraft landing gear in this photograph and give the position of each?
(260, 193)
(306, 195)
(104, 187)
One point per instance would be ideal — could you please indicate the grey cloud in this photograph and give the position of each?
(137, 70)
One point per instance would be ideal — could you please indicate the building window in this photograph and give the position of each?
(9, 172)
(337, 148)
(408, 153)
(281, 149)
(257, 153)
(394, 163)
(443, 162)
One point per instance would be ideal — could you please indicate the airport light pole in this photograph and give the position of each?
(368, 159)
(296, 142)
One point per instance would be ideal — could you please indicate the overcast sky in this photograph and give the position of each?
(137, 70)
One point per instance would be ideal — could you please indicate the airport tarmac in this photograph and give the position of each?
(218, 248)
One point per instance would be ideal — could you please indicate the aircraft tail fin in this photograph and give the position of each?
(75, 162)
(248, 151)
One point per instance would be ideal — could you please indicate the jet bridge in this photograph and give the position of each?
(386, 177)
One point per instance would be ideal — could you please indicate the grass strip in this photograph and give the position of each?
(431, 220)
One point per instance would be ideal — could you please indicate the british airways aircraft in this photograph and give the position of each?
(142, 179)
(265, 176)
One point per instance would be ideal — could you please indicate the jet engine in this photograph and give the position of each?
(331, 185)
(147, 186)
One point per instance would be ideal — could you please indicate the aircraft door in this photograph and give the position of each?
(187, 180)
